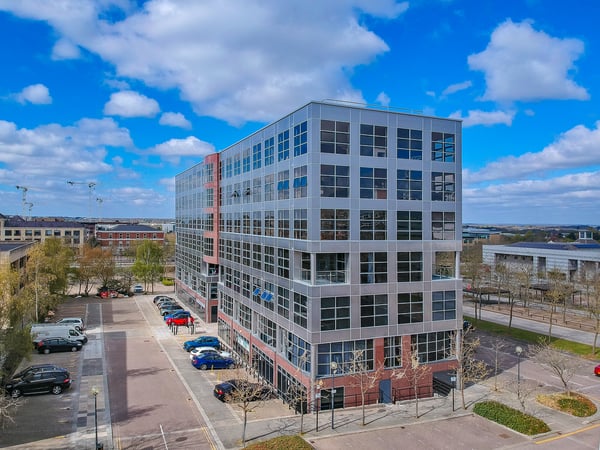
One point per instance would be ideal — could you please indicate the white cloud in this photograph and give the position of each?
(566, 199)
(175, 120)
(478, 117)
(453, 88)
(38, 94)
(383, 99)
(131, 104)
(521, 63)
(173, 149)
(51, 152)
(224, 64)
(168, 183)
(65, 49)
(576, 148)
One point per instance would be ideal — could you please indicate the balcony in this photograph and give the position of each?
(330, 277)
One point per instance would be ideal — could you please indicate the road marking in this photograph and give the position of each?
(555, 438)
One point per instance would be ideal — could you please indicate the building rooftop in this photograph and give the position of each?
(558, 245)
(18, 222)
(130, 228)
(9, 246)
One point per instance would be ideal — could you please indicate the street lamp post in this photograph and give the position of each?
(318, 401)
(95, 392)
(333, 367)
(518, 351)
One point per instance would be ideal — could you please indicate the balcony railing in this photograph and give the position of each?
(331, 277)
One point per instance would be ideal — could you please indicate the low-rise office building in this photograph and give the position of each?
(326, 244)
(574, 259)
(121, 237)
(13, 229)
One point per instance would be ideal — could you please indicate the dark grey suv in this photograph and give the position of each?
(37, 368)
(54, 381)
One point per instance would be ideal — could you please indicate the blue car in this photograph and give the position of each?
(202, 341)
(178, 315)
(211, 360)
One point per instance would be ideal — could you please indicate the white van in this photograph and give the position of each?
(41, 331)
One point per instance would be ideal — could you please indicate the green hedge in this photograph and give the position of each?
(511, 418)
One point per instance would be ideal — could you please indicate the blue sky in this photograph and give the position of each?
(123, 95)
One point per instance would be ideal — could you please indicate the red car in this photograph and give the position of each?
(597, 370)
(180, 318)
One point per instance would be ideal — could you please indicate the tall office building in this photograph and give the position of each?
(328, 237)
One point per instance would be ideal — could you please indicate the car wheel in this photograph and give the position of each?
(46, 351)
(231, 366)
(56, 390)
(203, 367)
(73, 349)
(15, 393)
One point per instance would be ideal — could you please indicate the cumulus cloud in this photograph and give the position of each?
(225, 65)
(175, 120)
(383, 99)
(65, 49)
(131, 104)
(54, 151)
(521, 63)
(576, 148)
(173, 149)
(37, 94)
(488, 118)
(566, 199)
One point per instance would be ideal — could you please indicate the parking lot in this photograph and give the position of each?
(150, 396)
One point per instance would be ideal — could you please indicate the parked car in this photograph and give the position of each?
(37, 368)
(77, 322)
(161, 303)
(138, 289)
(179, 318)
(170, 309)
(212, 361)
(597, 370)
(202, 341)
(201, 350)
(162, 297)
(241, 390)
(164, 300)
(50, 345)
(54, 381)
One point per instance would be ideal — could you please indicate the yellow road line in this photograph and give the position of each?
(591, 427)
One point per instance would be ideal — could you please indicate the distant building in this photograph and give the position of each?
(574, 259)
(16, 229)
(121, 237)
(472, 234)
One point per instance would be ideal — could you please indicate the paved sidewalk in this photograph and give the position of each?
(571, 334)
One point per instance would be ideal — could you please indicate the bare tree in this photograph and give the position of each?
(594, 309)
(498, 346)
(508, 284)
(558, 291)
(297, 393)
(415, 372)
(524, 276)
(247, 395)
(364, 377)
(561, 364)
(463, 347)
